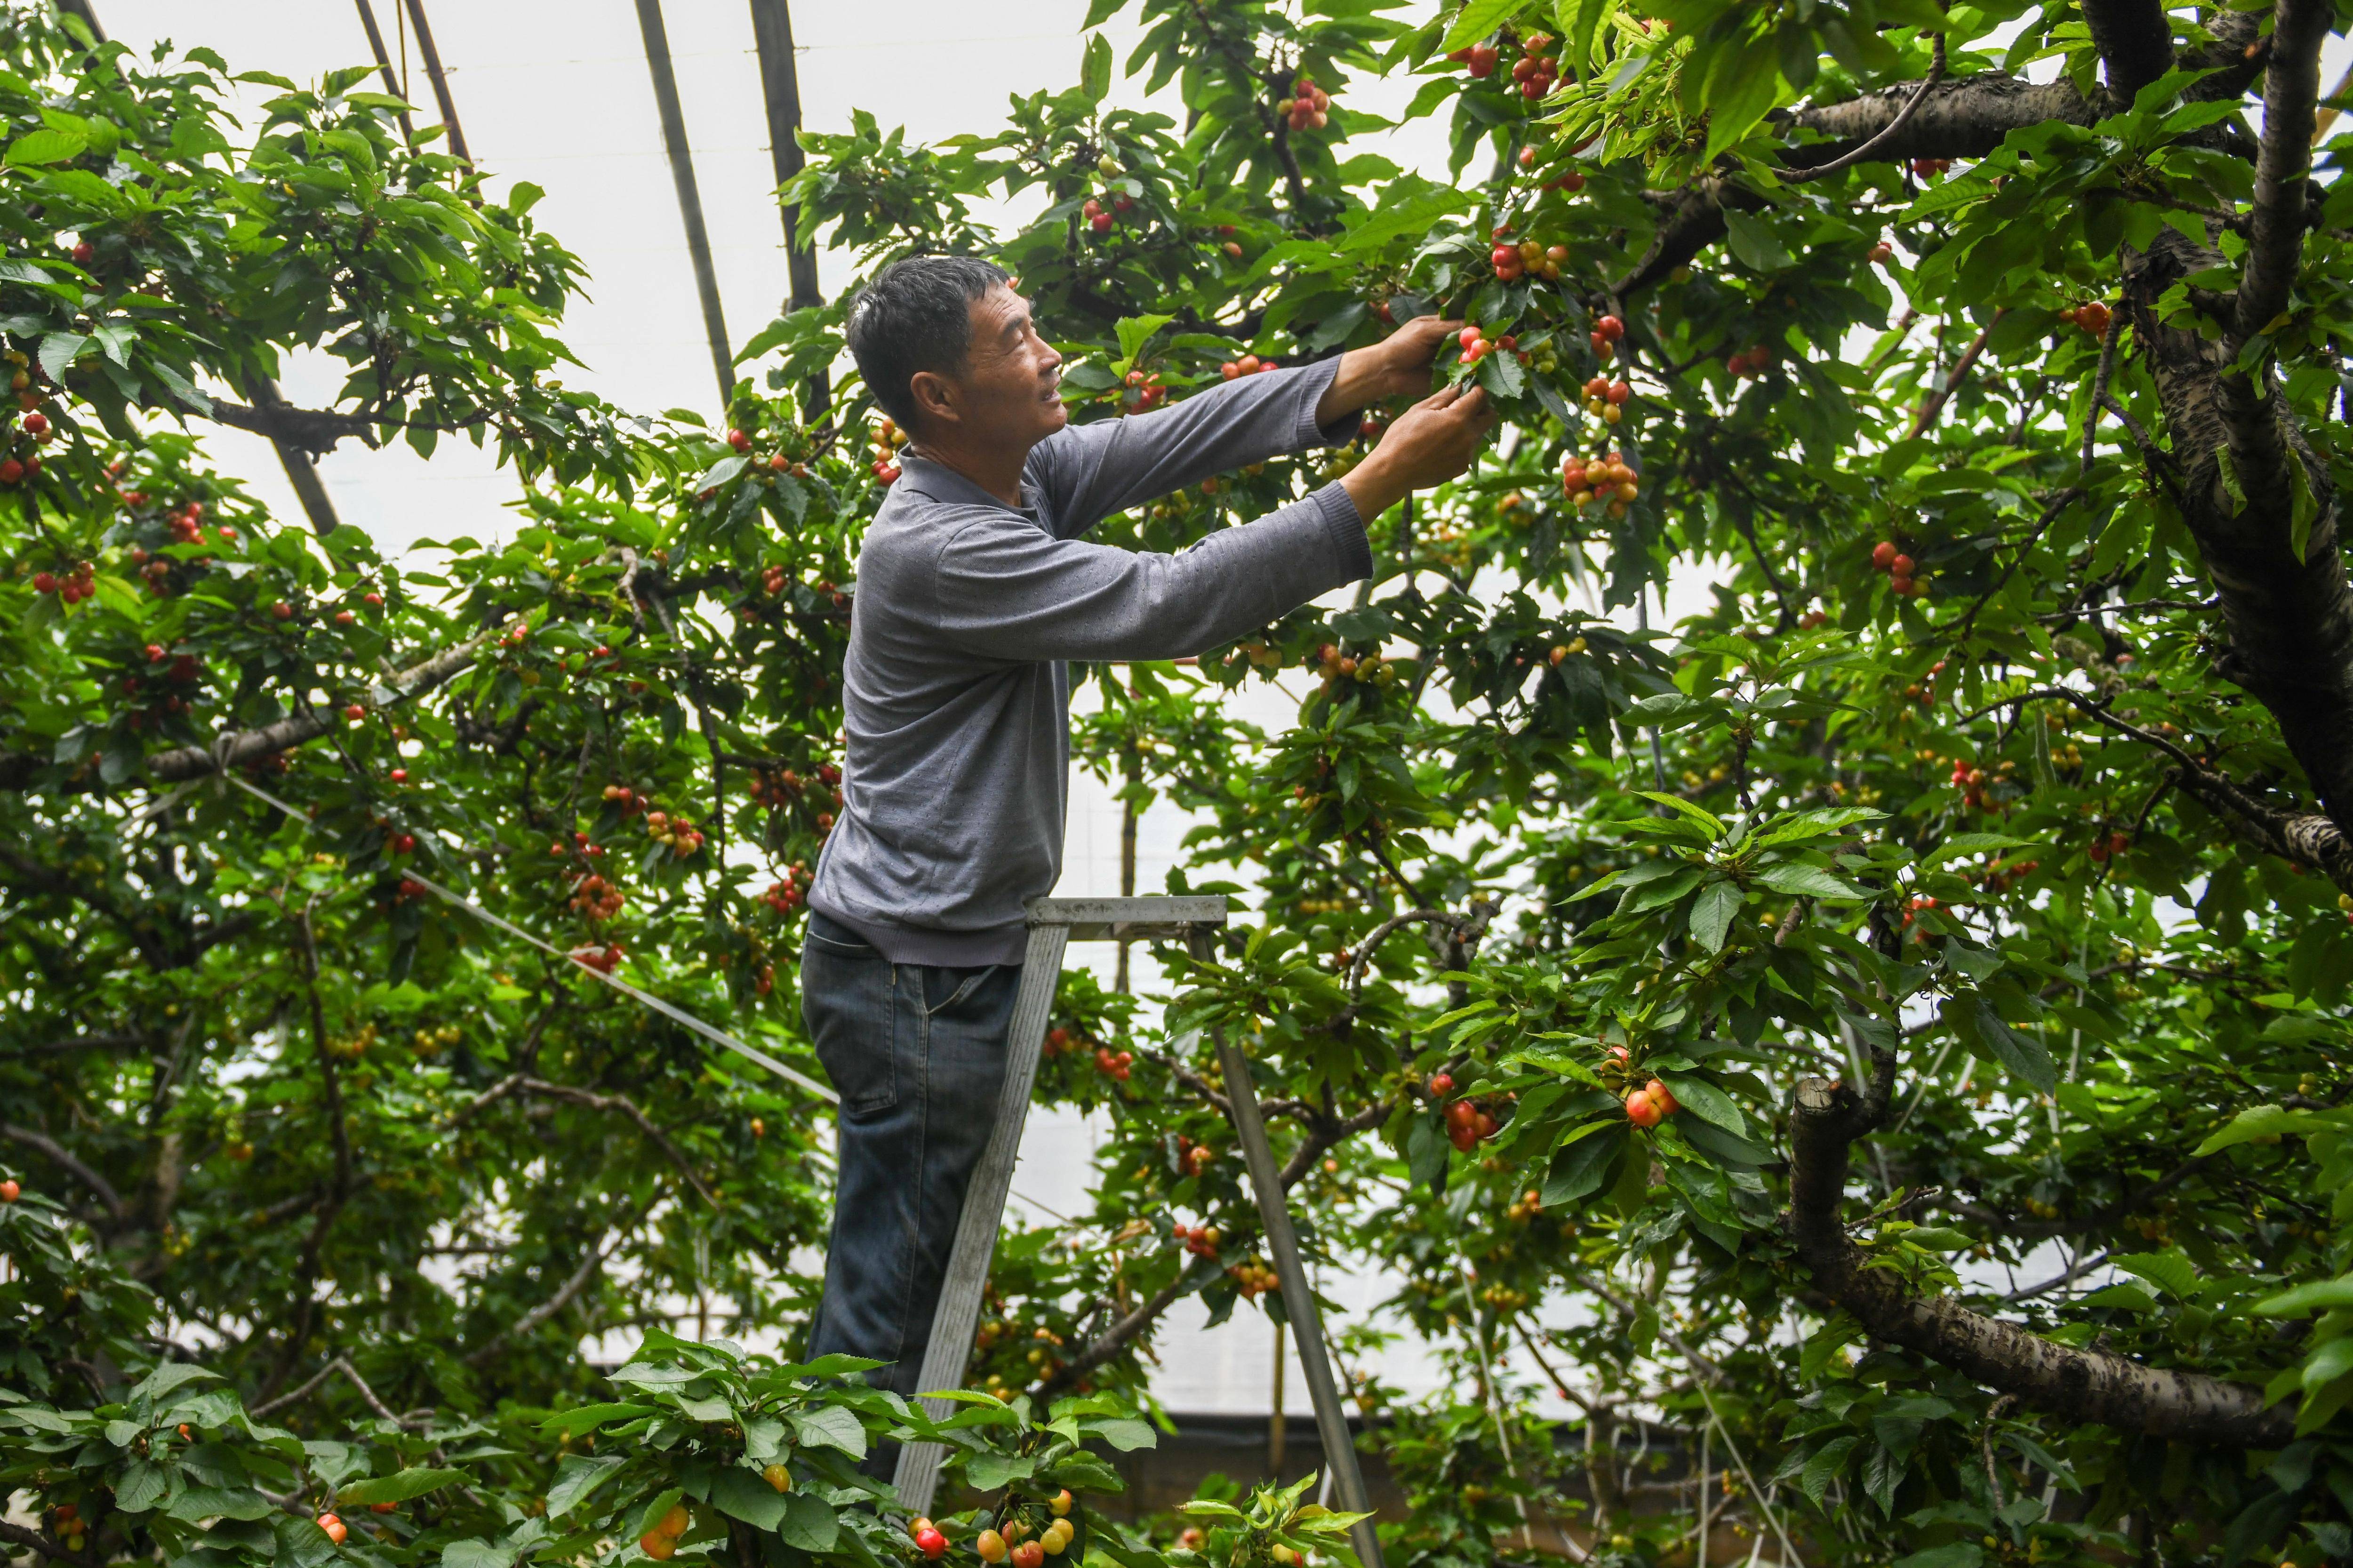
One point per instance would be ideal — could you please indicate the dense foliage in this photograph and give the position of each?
(1896, 1016)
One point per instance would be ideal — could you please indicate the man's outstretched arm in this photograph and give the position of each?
(1089, 471)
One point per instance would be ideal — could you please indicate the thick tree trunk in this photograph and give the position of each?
(2073, 1385)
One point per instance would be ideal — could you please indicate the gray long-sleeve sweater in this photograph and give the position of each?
(956, 698)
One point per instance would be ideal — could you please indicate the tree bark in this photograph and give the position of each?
(2072, 1384)
(2135, 41)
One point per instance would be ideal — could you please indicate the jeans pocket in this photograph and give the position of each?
(849, 1006)
(959, 985)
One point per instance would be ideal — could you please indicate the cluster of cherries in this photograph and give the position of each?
(1899, 567)
(1753, 361)
(2109, 846)
(23, 460)
(596, 897)
(1249, 364)
(1254, 1280)
(1514, 261)
(1534, 71)
(1608, 478)
(677, 834)
(1925, 167)
(1102, 219)
(886, 441)
(1144, 391)
(786, 892)
(1606, 399)
(603, 959)
(1200, 1240)
(1308, 107)
(77, 582)
(187, 524)
(1971, 781)
(1913, 908)
(1607, 333)
(1477, 346)
(1998, 878)
(2093, 318)
(1193, 1158)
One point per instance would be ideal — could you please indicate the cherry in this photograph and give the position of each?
(334, 1527)
(1100, 222)
(1902, 587)
(399, 776)
(372, 601)
(1060, 1502)
(739, 440)
(1483, 59)
(990, 1545)
(1642, 1109)
(1902, 566)
(283, 610)
(1883, 554)
(1441, 1084)
(344, 617)
(931, 1544)
(1660, 1095)
(37, 423)
(84, 253)
(11, 470)
(657, 1545)
(9, 1191)
(355, 712)
(1620, 392)
(155, 653)
(384, 1508)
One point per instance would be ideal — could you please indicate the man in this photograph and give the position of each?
(975, 585)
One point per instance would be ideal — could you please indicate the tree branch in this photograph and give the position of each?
(2276, 236)
(57, 1154)
(22, 771)
(2135, 41)
(2073, 1385)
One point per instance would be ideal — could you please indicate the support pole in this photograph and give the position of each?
(1275, 1431)
(384, 64)
(302, 470)
(689, 200)
(780, 86)
(1298, 1299)
(447, 105)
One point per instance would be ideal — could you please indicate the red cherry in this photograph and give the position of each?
(9, 1191)
(1883, 554)
(1100, 222)
(283, 610)
(400, 775)
(36, 423)
(1642, 1109)
(1441, 1084)
(1660, 1097)
(355, 712)
(1901, 566)
(372, 601)
(84, 253)
(1620, 392)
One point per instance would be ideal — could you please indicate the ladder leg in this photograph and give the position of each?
(958, 1312)
(1298, 1300)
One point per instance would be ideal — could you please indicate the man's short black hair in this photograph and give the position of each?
(916, 314)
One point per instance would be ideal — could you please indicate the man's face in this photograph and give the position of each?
(1009, 395)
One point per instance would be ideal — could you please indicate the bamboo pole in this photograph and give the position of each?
(689, 200)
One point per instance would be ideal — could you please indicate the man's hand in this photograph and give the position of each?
(1396, 366)
(1429, 443)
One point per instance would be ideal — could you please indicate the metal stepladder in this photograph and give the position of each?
(1054, 923)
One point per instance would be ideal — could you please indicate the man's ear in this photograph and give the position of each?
(934, 397)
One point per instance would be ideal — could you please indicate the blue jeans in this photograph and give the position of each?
(917, 1052)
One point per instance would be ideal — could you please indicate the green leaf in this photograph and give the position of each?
(1753, 241)
(2021, 1054)
(1136, 331)
(59, 350)
(1478, 19)
(2256, 1122)
(140, 1486)
(739, 1494)
(1808, 881)
(2302, 509)
(1125, 1433)
(991, 1472)
(1706, 1101)
(47, 145)
(577, 1476)
(830, 1426)
(2122, 1298)
(1712, 913)
(588, 1417)
(2170, 1271)
(2320, 1296)
(2228, 473)
(809, 1523)
(1095, 72)
(400, 1486)
(1582, 1162)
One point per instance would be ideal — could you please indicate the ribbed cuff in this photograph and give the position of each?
(1314, 380)
(1338, 509)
